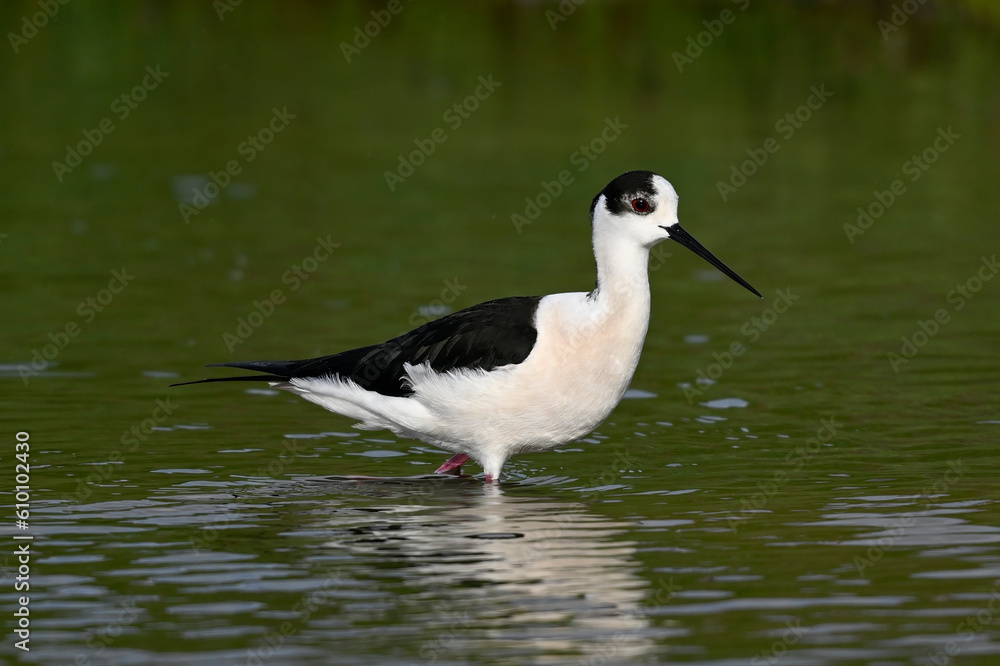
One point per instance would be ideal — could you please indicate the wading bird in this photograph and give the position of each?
(512, 375)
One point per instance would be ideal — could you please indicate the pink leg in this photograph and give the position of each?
(490, 479)
(453, 465)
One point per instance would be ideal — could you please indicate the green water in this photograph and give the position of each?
(809, 500)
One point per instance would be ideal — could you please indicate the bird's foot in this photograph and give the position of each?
(453, 465)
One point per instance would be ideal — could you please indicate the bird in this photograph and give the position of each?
(513, 375)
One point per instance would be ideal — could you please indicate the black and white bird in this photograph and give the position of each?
(512, 375)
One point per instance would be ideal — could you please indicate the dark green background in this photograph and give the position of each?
(204, 536)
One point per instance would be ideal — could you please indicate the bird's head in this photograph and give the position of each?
(642, 206)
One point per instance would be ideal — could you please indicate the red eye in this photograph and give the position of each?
(640, 205)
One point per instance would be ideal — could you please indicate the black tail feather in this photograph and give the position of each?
(278, 371)
(245, 378)
(285, 369)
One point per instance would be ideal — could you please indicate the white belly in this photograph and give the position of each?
(578, 371)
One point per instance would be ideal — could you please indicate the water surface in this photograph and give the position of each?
(806, 479)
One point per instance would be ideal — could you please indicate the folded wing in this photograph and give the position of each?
(484, 336)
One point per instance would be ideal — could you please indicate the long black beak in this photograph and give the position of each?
(687, 240)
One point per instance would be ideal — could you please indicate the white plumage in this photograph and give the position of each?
(563, 385)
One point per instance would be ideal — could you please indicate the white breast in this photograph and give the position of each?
(585, 356)
(582, 362)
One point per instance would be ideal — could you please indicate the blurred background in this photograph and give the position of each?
(184, 183)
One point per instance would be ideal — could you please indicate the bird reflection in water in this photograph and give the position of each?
(490, 570)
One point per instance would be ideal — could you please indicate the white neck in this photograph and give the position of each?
(615, 316)
(622, 273)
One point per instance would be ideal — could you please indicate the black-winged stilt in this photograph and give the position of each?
(517, 374)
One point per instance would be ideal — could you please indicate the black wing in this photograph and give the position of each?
(483, 336)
